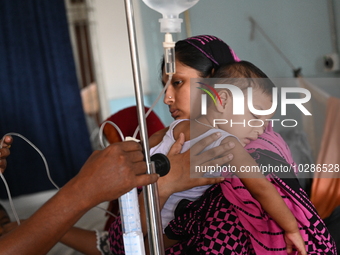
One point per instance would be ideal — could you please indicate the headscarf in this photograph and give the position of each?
(214, 49)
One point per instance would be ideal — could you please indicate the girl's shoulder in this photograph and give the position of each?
(182, 126)
(157, 137)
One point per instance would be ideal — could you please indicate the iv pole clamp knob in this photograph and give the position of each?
(162, 164)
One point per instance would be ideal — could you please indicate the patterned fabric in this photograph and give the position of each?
(208, 226)
(227, 220)
(116, 237)
(103, 244)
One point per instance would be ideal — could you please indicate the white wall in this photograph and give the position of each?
(112, 51)
(300, 28)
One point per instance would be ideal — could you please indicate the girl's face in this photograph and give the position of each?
(248, 127)
(177, 95)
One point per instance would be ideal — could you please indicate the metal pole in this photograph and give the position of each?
(155, 232)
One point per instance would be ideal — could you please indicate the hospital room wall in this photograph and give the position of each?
(111, 53)
(301, 30)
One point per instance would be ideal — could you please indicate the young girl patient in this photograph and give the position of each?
(239, 130)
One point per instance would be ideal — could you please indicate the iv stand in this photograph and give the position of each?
(151, 201)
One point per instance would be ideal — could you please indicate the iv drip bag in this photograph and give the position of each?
(170, 9)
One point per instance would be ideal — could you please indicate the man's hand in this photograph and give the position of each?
(114, 171)
(105, 176)
(4, 151)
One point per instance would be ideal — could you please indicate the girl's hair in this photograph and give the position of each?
(192, 57)
(203, 53)
(244, 74)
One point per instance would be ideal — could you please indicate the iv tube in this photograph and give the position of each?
(154, 103)
(170, 9)
(169, 54)
(150, 192)
(169, 69)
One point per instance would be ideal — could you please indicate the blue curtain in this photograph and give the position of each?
(39, 95)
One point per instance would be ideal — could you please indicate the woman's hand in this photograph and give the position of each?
(179, 177)
(4, 151)
(295, 240)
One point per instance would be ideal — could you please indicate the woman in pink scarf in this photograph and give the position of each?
(226, 219)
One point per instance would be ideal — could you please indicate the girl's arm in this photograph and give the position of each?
(82, 240)
(267, 195)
